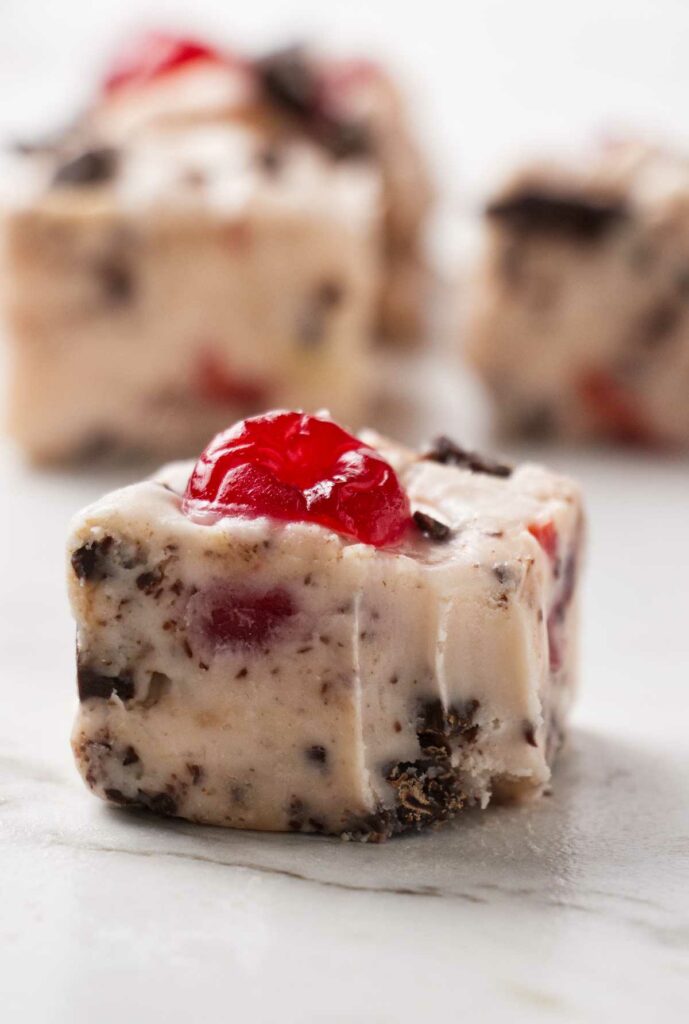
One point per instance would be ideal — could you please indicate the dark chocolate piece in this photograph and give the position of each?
(432, 528)
(92, 167)
(94, 684)
(571, 215)
(317, 753)
(530, 734)
(130, 757)
(449, 453)
(90, 561)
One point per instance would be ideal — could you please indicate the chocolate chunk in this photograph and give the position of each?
(116, 279)
(432, 528)
(158, 803)
(92, 167)
(149, 581)
(572, 216)
(118, 797)
(94, 684)
(449, 453)
(90, 561)
(196, 772)
(130, 757)
(502, 572)
(289, 81)
(317, 754)
(530, 734)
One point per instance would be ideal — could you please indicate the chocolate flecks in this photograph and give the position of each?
(148, 582)
(187, 649)
(316, 825)
(317, 754)
(432, 528)
(177, 587)
(449, 453)
(196, 772)
(90, 561)
(92, 684)
(397, 726)
(502, 572)
(116, 279)
(394, 680)
(92, 167)
(130, 757)
(243, 673)
(573, 216)
(530, 734)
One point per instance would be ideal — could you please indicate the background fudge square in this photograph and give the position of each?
(309, 631)
(215, 235)
(580, 320)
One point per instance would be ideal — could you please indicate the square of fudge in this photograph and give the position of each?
(214, 235)
(579, 323)
(261, 673)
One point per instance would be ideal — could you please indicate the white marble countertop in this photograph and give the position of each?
(575, 909)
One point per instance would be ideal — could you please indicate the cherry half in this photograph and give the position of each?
(299, 468)
(154, 54)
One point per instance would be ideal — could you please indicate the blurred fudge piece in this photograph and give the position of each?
(209, 238)
(310, 631)
(580, 316)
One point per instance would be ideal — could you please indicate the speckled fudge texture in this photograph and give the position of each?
(580, 319)
(384, 690)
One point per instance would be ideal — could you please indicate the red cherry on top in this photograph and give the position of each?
(299, 468)
(154, 54)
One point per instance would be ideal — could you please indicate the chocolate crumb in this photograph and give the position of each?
(449, 453)
(432, 528)
(158, 803)
(92, 167)
(130, 757)
(117, 796)
(243, 673)
(317, 753)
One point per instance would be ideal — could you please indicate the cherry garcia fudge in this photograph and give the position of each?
(213, 236)
(312, 631)
(580, 319)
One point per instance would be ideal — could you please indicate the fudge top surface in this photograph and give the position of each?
(488, 516)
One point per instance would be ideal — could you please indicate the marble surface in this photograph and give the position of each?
(571, 910)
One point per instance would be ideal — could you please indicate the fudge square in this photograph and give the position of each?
(580, 321)
(313, 631)
(215, 235)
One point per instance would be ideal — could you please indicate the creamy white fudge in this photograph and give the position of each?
(580, 318)
(220, 238)
(376, 690)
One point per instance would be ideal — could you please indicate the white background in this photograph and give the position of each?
(574, 910)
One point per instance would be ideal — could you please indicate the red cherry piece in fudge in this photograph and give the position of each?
(213, 382)
(223, 618)
(153, 55)
(300, 468)
(546, 535)
(616, 411)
